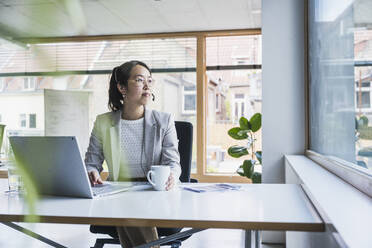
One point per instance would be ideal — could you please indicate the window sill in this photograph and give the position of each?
(346, 210)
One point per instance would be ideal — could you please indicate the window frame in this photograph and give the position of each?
(354, 176)
(201, 84)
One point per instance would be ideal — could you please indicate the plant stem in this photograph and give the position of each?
(252, 146)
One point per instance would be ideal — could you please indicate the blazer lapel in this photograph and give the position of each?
(116, 154)
(150, 130)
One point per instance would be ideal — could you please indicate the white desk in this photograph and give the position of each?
(255, 207)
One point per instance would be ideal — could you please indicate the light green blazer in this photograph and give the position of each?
(160, 143)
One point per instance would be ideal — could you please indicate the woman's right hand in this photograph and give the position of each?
(94, 178)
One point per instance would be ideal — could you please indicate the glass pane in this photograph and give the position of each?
(98, 55)
(22, 118)
(32, 120)
(32, 117)
(172, 89)
(169, 93)
(233, 105)
(340, 38)
(234, 50)
(190, 102)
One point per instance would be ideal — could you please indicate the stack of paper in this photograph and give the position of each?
(211, 188)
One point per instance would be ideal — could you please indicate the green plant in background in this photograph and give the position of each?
(363, 131)
(246, 130)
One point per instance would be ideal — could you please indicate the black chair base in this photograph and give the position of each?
(101, 242)
(111, 230)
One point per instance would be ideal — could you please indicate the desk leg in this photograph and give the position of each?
(33, 234)
(248, 238)
(257, 239)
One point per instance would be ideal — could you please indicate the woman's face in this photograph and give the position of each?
(140, 85)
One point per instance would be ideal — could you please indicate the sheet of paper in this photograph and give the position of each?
(211, 188)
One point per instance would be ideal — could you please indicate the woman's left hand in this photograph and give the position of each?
(170, 182)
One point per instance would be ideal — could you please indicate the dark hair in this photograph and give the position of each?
(120, 75)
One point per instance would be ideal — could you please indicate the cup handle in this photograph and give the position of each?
(149, 177)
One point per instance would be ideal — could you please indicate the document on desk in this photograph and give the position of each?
(211, 188)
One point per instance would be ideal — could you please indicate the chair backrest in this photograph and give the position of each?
(184, 134)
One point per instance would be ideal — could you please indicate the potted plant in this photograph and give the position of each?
(246, 130)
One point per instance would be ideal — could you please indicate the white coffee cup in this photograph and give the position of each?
(158, 176)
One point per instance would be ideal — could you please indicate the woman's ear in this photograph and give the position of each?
(121, 89)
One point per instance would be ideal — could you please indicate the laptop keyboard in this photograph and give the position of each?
(101, 189)
(106, 188)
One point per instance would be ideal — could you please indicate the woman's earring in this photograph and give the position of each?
(153, 96)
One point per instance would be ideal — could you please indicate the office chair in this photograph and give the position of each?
(185, 137)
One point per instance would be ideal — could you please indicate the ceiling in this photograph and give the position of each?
(61, 18)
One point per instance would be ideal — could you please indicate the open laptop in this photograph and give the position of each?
(56, 167)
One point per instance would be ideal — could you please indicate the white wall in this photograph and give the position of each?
(283, 108)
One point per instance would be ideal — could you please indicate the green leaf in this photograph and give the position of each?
(237, 151)
(240, 173)
(243, 132)
(256, 177)
(234, 133)
(248, 168)
(244, 123)
(255, 122)
(259, 156)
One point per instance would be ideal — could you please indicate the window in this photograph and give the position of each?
(22, 120)
(179, 87)
(363, 99)
(239, 96)
(231, 86)
(29, 83)
(340, 68)
(189, 100)
(32, 121)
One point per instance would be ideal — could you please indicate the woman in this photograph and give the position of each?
(144, 137)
